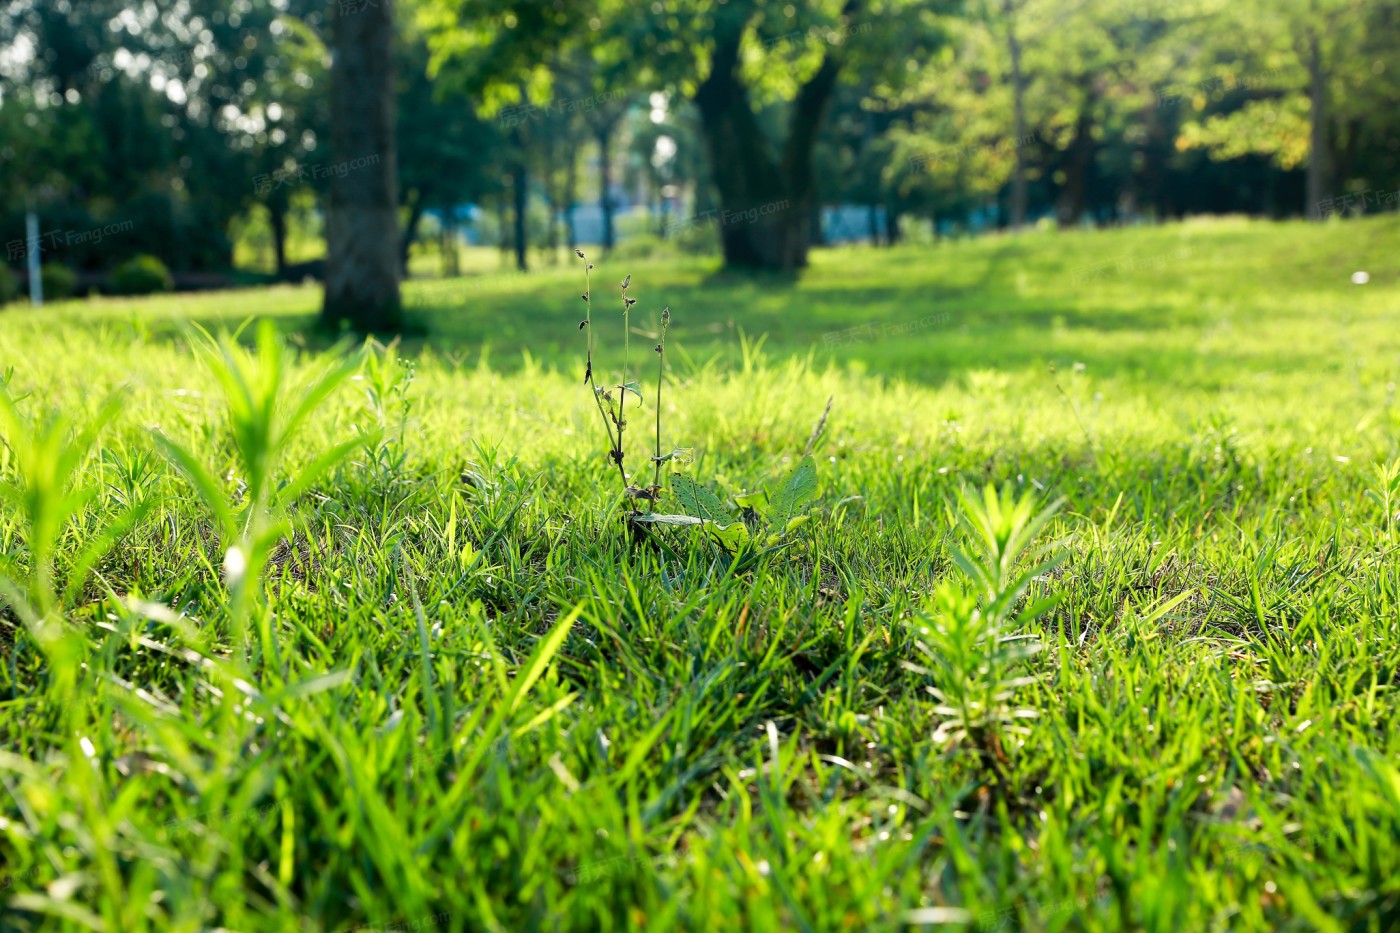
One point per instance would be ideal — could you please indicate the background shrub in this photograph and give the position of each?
(9, 285)
(141, 275)
(58, 280)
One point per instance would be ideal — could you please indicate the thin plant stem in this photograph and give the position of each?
(614, 446)
(660, 375)
(622, 385)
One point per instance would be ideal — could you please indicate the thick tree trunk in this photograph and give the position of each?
(1018, 100)
(605, 185)
(766, 203)
(1319, 177)
(362, 223)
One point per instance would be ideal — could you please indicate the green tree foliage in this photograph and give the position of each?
(761, 75)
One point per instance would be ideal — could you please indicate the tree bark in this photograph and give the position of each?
(766, 202)
(1079, 158)
(362, 223)
(519, 178)
(277, 220)
(1319, 178)
(410, 230)
(891, 224)
(605, 183)
(451, 268)
(570, 192)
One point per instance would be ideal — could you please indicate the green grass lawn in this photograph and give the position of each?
(465, 695)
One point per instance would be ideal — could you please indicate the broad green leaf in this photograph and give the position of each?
(796, 521)
(732, 537)
(797, 490)
(756, 500)
(699, 501)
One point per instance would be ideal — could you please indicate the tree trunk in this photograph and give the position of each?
(410, 230)
(1018, 99)
(362, 223)
(605, 183)
(277, 220)
(891, 224)
(551, 196)
(1319, 156)
(1079, 157)
(451, 267)
(502, 228)
(765, 203)
(570, 192)
(519, 178)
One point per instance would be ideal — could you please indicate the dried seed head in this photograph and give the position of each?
(579, 254)
(584, 296)
(630, 301)
(582, 325)
(590, 267)
(658, 348)
(627, 281)
(666, 315)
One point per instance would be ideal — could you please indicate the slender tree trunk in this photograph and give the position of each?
(872, 209)
(1018, 100)
(605, 184)
(362, 222)
(410, 230)
(277, 220)
(505, 232)
(519, 178)
(891, 224)
(451, 267)
(1319, 176)
(551, 194)
(1344, 151)
(570, 193)
(1079, 158)
(552, 239)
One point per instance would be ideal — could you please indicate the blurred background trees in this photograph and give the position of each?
(753, 128)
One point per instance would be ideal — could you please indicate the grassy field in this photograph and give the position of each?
(463, 693)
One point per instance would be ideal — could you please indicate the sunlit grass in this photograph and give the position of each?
(472, 699)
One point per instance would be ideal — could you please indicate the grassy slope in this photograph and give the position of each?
(1223, 765)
